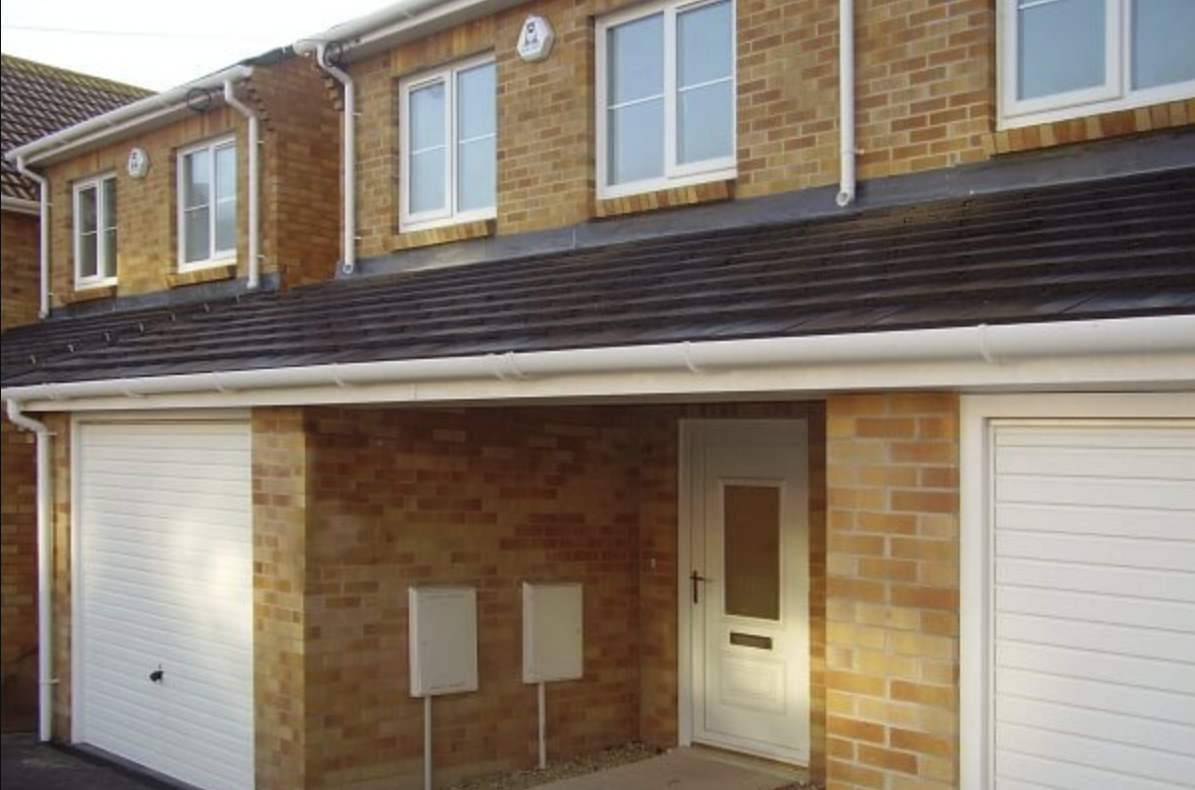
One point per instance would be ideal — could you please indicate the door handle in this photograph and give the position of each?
(156, 675)
(696, 579)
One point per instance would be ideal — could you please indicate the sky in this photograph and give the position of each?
(158, 45)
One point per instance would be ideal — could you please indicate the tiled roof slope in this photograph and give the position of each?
(39, 100)
(1110, 249)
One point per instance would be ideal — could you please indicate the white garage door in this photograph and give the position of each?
(165, 586)
(1093, 617)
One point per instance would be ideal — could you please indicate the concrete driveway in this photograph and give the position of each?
(27, 765)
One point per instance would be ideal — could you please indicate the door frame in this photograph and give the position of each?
(687, 478)
(978, 415)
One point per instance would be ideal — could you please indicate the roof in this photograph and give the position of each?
(39, 100)
(1117, 248)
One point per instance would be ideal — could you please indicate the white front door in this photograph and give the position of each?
(747, 586)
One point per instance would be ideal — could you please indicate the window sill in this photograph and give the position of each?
(225, 271)
(445, 234)
(708, 192)
(89, 293)
(1093, 127)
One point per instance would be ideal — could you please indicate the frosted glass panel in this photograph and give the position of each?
(636, 144)
(475, 102)
(196, 179)
(751, 523)
(87, 255)
(427, 181)
(635, 60)
(1061, 45)
(704, 46)
(198, 239)
(1163, 42)
(476, 174)
(705, 125)
(427, 117)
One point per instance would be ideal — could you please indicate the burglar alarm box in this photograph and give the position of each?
(553, 620)
(443, 640)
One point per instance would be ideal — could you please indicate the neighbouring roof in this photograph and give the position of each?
(1116, 248)
(39, 100)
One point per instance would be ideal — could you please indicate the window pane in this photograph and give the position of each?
(751, 523)
(704, 47)
(87, 210)
(635, 60)
(1061, 47)
(87, 255)
(226, 172)
(197, 246)
(109, 253)
(226, 225)
(427, 117)
(476, 174)
(196, 179)
(427, 181)
(636, 144)
(475, 110)
(1163, 50)
(109, 203)
(705, 126)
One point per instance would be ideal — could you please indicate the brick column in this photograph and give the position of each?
(892, 591)
(279, 616)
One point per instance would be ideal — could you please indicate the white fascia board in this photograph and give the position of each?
(1143, 354)
(147, 113)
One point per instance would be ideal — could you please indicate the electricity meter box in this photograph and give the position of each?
(553, 618)
(443, 640)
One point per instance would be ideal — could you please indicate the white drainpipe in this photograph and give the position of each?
(43, 188)
(349, 162)
(846, 102)
(231, 100)
(45, 569)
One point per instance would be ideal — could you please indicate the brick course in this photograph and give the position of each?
(19, 268)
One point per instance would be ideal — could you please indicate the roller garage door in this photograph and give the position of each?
(163, 650)
(1093, 606)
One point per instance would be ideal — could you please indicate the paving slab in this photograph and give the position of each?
(685, 769)
(26, 764)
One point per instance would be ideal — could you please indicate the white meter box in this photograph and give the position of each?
(553, 632)
(443, 639)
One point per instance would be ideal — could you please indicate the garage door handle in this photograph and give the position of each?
(156, 675)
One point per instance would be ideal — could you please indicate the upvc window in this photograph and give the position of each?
(448, 123)
(95, 231)
(666, 96)
(207, 204)
(1067, 58)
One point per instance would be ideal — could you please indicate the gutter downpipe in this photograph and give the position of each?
(45, 575)
(846, 102)
(231, 100)
(349, 164)
(43, 188)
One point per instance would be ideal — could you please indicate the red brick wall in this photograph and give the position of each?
(19, 269)
(892, 592)
(18, 590)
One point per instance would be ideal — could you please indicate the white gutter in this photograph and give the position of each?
(349, 160)
(846, 102)
(232, 101)
(400, 21)
(122, 121)
(45, 573)
(992, 346)
(19, 205)
(43, 246)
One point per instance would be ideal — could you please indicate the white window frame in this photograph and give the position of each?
(216, 257)
(675, 174)
(98, 279)
(1116, 92)
(450, 214)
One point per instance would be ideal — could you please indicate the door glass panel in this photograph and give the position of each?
(751, 520)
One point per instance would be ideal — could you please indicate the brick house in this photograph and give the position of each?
(888, 476)
(38, 100)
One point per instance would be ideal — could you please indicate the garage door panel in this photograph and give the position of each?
(1098, 725)
(1126, 494)
(1083, 520)
(1168, 555)
(1070, 435)
(1057, 775)
(165, 514)
(1098, 637)
(1108, 580)
(1128, 463)
(1085, 607)
(1149, 673)
(1109, 697)
(1154, 764)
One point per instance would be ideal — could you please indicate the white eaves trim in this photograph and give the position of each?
(1135, 353)
(143, 114)
(20, 205)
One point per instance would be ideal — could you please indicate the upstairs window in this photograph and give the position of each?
(666, 96)
(449, 146)
(95, 231)
(1068, 58)
(207, 204)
